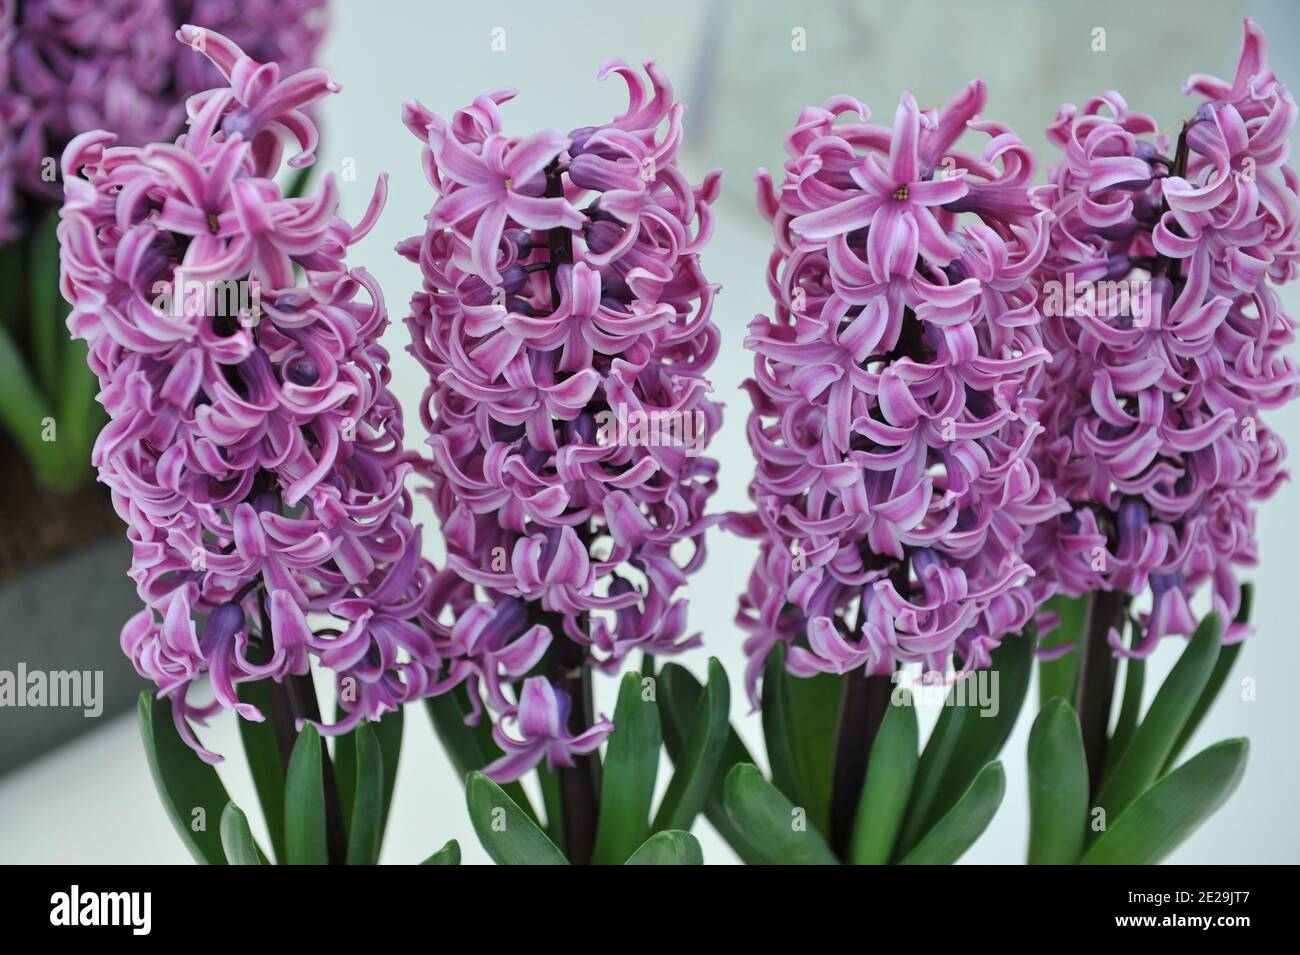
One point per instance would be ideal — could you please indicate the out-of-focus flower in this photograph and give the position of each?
(70, 66)
(565, 325)
(894, 397)
(1167, 340)
(254, 448)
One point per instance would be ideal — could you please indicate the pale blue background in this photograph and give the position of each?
(733, 64)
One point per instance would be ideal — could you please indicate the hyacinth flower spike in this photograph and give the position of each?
(895, 402)
(255, 453)
(1168, 342)
(564, 322)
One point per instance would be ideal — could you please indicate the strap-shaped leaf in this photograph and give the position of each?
(1154, 739)
(814, 713)
(367, 826)
(469, 748)
(770, 822)
(1058, 786)
(891, 772)
(933, 765)
(447, 855)
(679, 693)
(628, 783)
(507, 832)
(670, 847)
(262, 750)
(190, 789)
(964, 823)
(1130, 710)
(1222, 668)
(695, 773)
(984, 731)
(304, 802)
(1164, 816)
(1059, 676)
(237, 838)
(779, 733)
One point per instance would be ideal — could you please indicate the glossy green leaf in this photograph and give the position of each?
(447, 855)
(1165, 815)
(190, 789)
(1154, 739)
(695, 772)
(262, 750)
(1222, 668)
(23, 410)
(469, 748)
(1060, 676)
(777, 831)
(1058, 786)
(1130, 710)
(779, 732)
(679, 694)
(814, 713)
(237, 838)
(509, 834)
(891, 771)
(957, 831)
(365, 832)
(670, 847)
(939, 751)
(628, 783)
(985, 730)
(304, 802)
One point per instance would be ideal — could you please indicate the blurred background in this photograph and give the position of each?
(744, 67)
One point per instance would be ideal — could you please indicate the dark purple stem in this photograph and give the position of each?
(1097, 666)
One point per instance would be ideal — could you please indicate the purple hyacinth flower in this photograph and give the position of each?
(563, 299)
(894, 397)
(253, 448)
(1168, 343)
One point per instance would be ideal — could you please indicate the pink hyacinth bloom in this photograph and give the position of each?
(563, 298)
(1167, 338)
(254, 448)
(894, 397)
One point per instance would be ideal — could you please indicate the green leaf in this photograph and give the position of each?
(891, 771)
(964, 823)
(1222, 668)
(469, 748)
(982, 736)
(447, 855)
(1060, 677)
(628, 786)
(509, 834)
(670, 847)
(1165, 815)
(939, 751)
(679, 694)
(815, 712)
(190, 789)
(23, 410)
(262, 750)
(388, 731)
(46, 330)
(695, 773)
(1154, 739)
(770, 822)
(367, 827)
(779, 732)
(237, 838)
(1130, 710)
(304, 802)
(1058, 786)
